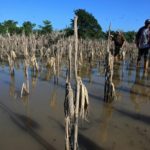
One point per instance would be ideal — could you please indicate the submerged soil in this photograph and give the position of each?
(36, 121)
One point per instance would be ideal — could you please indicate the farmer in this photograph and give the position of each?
(143, 43)
(119, 41)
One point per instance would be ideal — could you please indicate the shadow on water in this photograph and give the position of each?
(139, 117)
(28, 125)
(136, 82)
(99, 98)
(128, 90)
(28, 122)
(84, 142)
(93, 82)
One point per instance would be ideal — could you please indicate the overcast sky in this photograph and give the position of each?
(123, 14)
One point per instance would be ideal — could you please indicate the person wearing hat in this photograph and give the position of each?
(143, 43)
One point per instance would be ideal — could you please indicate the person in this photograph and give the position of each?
(143, 43)
(119, 41)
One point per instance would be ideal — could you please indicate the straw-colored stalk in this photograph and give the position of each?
(109, 89)
(69, 108)
(11, 65)
(25, 85)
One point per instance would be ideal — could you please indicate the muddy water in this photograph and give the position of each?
(36, 121)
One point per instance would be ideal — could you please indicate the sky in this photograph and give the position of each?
(126, 15)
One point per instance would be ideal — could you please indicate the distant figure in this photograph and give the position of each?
(143, 43)
(119, 41)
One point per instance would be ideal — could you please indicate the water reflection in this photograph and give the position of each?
(139, 92)
(17, 65)
(86, 72)
(47, 74)
(25, 97)
(101, 68)
(25, 101)
(12, 86)
(106, 117)
(13, 92)
(134, 86)
(116, 76)
(34, 78)
(53, 98)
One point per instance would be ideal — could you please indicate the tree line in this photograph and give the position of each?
(88, 27)
(11, 27)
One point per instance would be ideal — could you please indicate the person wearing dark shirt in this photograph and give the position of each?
(143, 43)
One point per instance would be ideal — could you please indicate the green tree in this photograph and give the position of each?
(88, 26)
(130, 36)
(68, 31)
(46, 28)
(27, 27)
(10, 26)
(2, 29)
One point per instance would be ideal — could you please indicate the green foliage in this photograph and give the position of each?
(47, 28)
(69, 31)
(9, 26)
(130, 36)
(27, 27)
(88, 26)
(2, 29)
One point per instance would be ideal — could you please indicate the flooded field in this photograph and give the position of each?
(36, 121)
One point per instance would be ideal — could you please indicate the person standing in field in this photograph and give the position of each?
(143, 43)
(119, 41)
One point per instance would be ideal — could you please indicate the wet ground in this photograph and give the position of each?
(36, 121)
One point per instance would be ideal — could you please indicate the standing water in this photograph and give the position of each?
(36, 121)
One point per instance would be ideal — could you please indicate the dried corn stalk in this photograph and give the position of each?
(26, 65)
(34, 63)
(50, 62)
(75, 146)
(69, 108)
(69, 101)
(67, 131)
(109, 89)
(84, 100)
(13, 55)
(25, 85)
(69, 115)
(11, 65)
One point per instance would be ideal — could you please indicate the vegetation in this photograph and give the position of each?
(28, 27)
(88, 27)
(47, 28)
(11, 27)
(130, 36)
